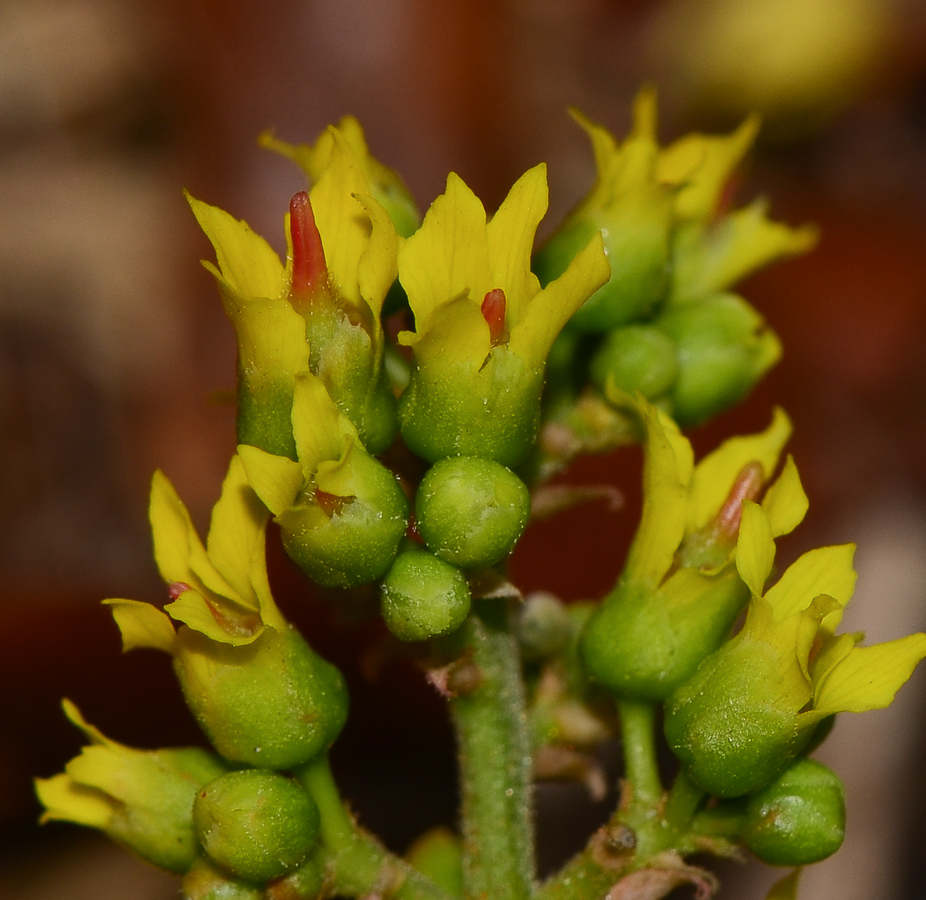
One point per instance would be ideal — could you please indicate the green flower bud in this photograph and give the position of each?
(256, 825)
(423, 596)
(272, 703)
(438, 854)
(733, 724)
(140, 798)
(471, 511)
(544, 626)
(305, 883)
(636, 358)
(206, 881)
(724, 348)
(632, 211)
(345, 540)
(643, 644)
(798, 819)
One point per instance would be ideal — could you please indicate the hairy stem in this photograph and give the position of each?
(495, 762)
(358, 865)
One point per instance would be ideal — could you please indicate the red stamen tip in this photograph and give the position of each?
(176, 588)
(331, 504)
(309, 269)
(747, 486)
(493, 311)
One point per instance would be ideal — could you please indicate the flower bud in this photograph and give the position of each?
(471, 511)
(636, 358)
(423, 596)
(544, 626)
(206, 881)
(140, 798)
(272, 703)
(798, 819)
(733, 724)
(351, 538)
(438, 853)
(256, 825)
(642, 644)
(724, 348)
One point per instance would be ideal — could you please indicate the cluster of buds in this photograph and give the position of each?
(410, 466)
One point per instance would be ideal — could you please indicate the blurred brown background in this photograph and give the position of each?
(113, 346)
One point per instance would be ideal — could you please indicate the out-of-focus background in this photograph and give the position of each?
(114, 353)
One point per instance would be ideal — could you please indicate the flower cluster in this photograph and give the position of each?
(405, 385)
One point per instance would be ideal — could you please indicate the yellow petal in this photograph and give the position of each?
(824, 570)
(785, 502)
(142, 625)
(547, 313)
(66, 801)
(246, 261)
(321, 431)
(235, 544)
(510, 236)
(276, 479)
(457, 333)
(716, 473)
(785, 888)
(378, 265)
(755, 548)
(226, 623)
(448, 257)
(668, 465)
(869, 677)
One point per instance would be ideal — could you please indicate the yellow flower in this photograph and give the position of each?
(752, 706)
(141, 798)
(320, 312)
(256, 687)
(679, 592)
(483, 326)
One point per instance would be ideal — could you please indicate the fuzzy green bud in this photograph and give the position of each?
(471, 511)
(733, 723)
(272, 703)
(423, 596)
(206, 881)
(643, 644)
(723, 347)
(256, 825)
(636, 358)
(347, 540)
(798, 819)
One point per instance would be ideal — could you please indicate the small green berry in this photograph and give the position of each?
(256, 824)
(423, 596)
(798, 819)
(471, 511)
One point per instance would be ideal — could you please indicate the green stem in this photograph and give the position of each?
(358, 864)
(638, 735)
(495, 762)
(682, 803)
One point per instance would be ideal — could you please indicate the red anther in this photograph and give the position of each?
(309, 269)
(747, 486)
(493, 311)
(176, 588)
(331, 504)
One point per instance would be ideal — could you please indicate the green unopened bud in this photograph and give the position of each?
(544, 626)
(206, 881)
(350, 538)
(423, 596)
(272, 703)
(643, 644)
(471, 511)
(305, 883)
(438, 854)
(256, 825)
(140, 798)
(733, 724)
(636, 358)
(724, 348)
(798, 819)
